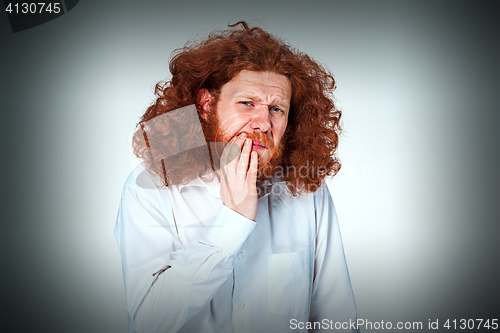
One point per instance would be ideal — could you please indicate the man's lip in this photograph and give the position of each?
(258, 145)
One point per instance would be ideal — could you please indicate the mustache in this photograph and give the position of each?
(263, 138)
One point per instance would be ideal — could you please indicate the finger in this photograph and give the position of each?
(233, 150)
(252, 171)
(224, 157)
(225, 185)
(244, 157)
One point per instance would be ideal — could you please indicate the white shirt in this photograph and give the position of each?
(217, 271)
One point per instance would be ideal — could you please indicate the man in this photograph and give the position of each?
(227, 225)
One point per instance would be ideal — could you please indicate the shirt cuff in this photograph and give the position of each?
(229, 230)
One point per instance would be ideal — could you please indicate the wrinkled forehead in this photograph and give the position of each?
(264, 84)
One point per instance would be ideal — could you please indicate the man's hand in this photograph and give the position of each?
(238, 182)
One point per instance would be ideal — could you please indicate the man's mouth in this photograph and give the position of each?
(256, 145)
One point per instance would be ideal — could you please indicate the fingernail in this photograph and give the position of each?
(242, 135)
(247, 142)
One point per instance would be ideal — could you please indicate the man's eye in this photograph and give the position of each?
(276, 109)
(246, 103)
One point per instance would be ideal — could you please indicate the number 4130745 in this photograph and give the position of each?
(33, 8)
(471, 324)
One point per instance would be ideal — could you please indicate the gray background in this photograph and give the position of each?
(417, 196)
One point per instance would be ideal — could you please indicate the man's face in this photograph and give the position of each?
(258, 104)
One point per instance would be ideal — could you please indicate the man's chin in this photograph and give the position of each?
(264, 158)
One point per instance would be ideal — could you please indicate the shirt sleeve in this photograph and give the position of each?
(332, 295)
(166, 283)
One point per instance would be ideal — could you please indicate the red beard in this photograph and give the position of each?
(212, 134)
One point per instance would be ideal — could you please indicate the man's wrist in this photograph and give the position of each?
(229, 230)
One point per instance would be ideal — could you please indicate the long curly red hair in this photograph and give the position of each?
(312, 134)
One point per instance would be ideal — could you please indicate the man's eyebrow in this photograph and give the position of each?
(280, 101)
(276, 101)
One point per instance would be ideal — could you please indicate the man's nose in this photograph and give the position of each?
(260, 120)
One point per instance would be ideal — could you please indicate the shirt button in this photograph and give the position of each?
(240, 255)
(241, 305)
